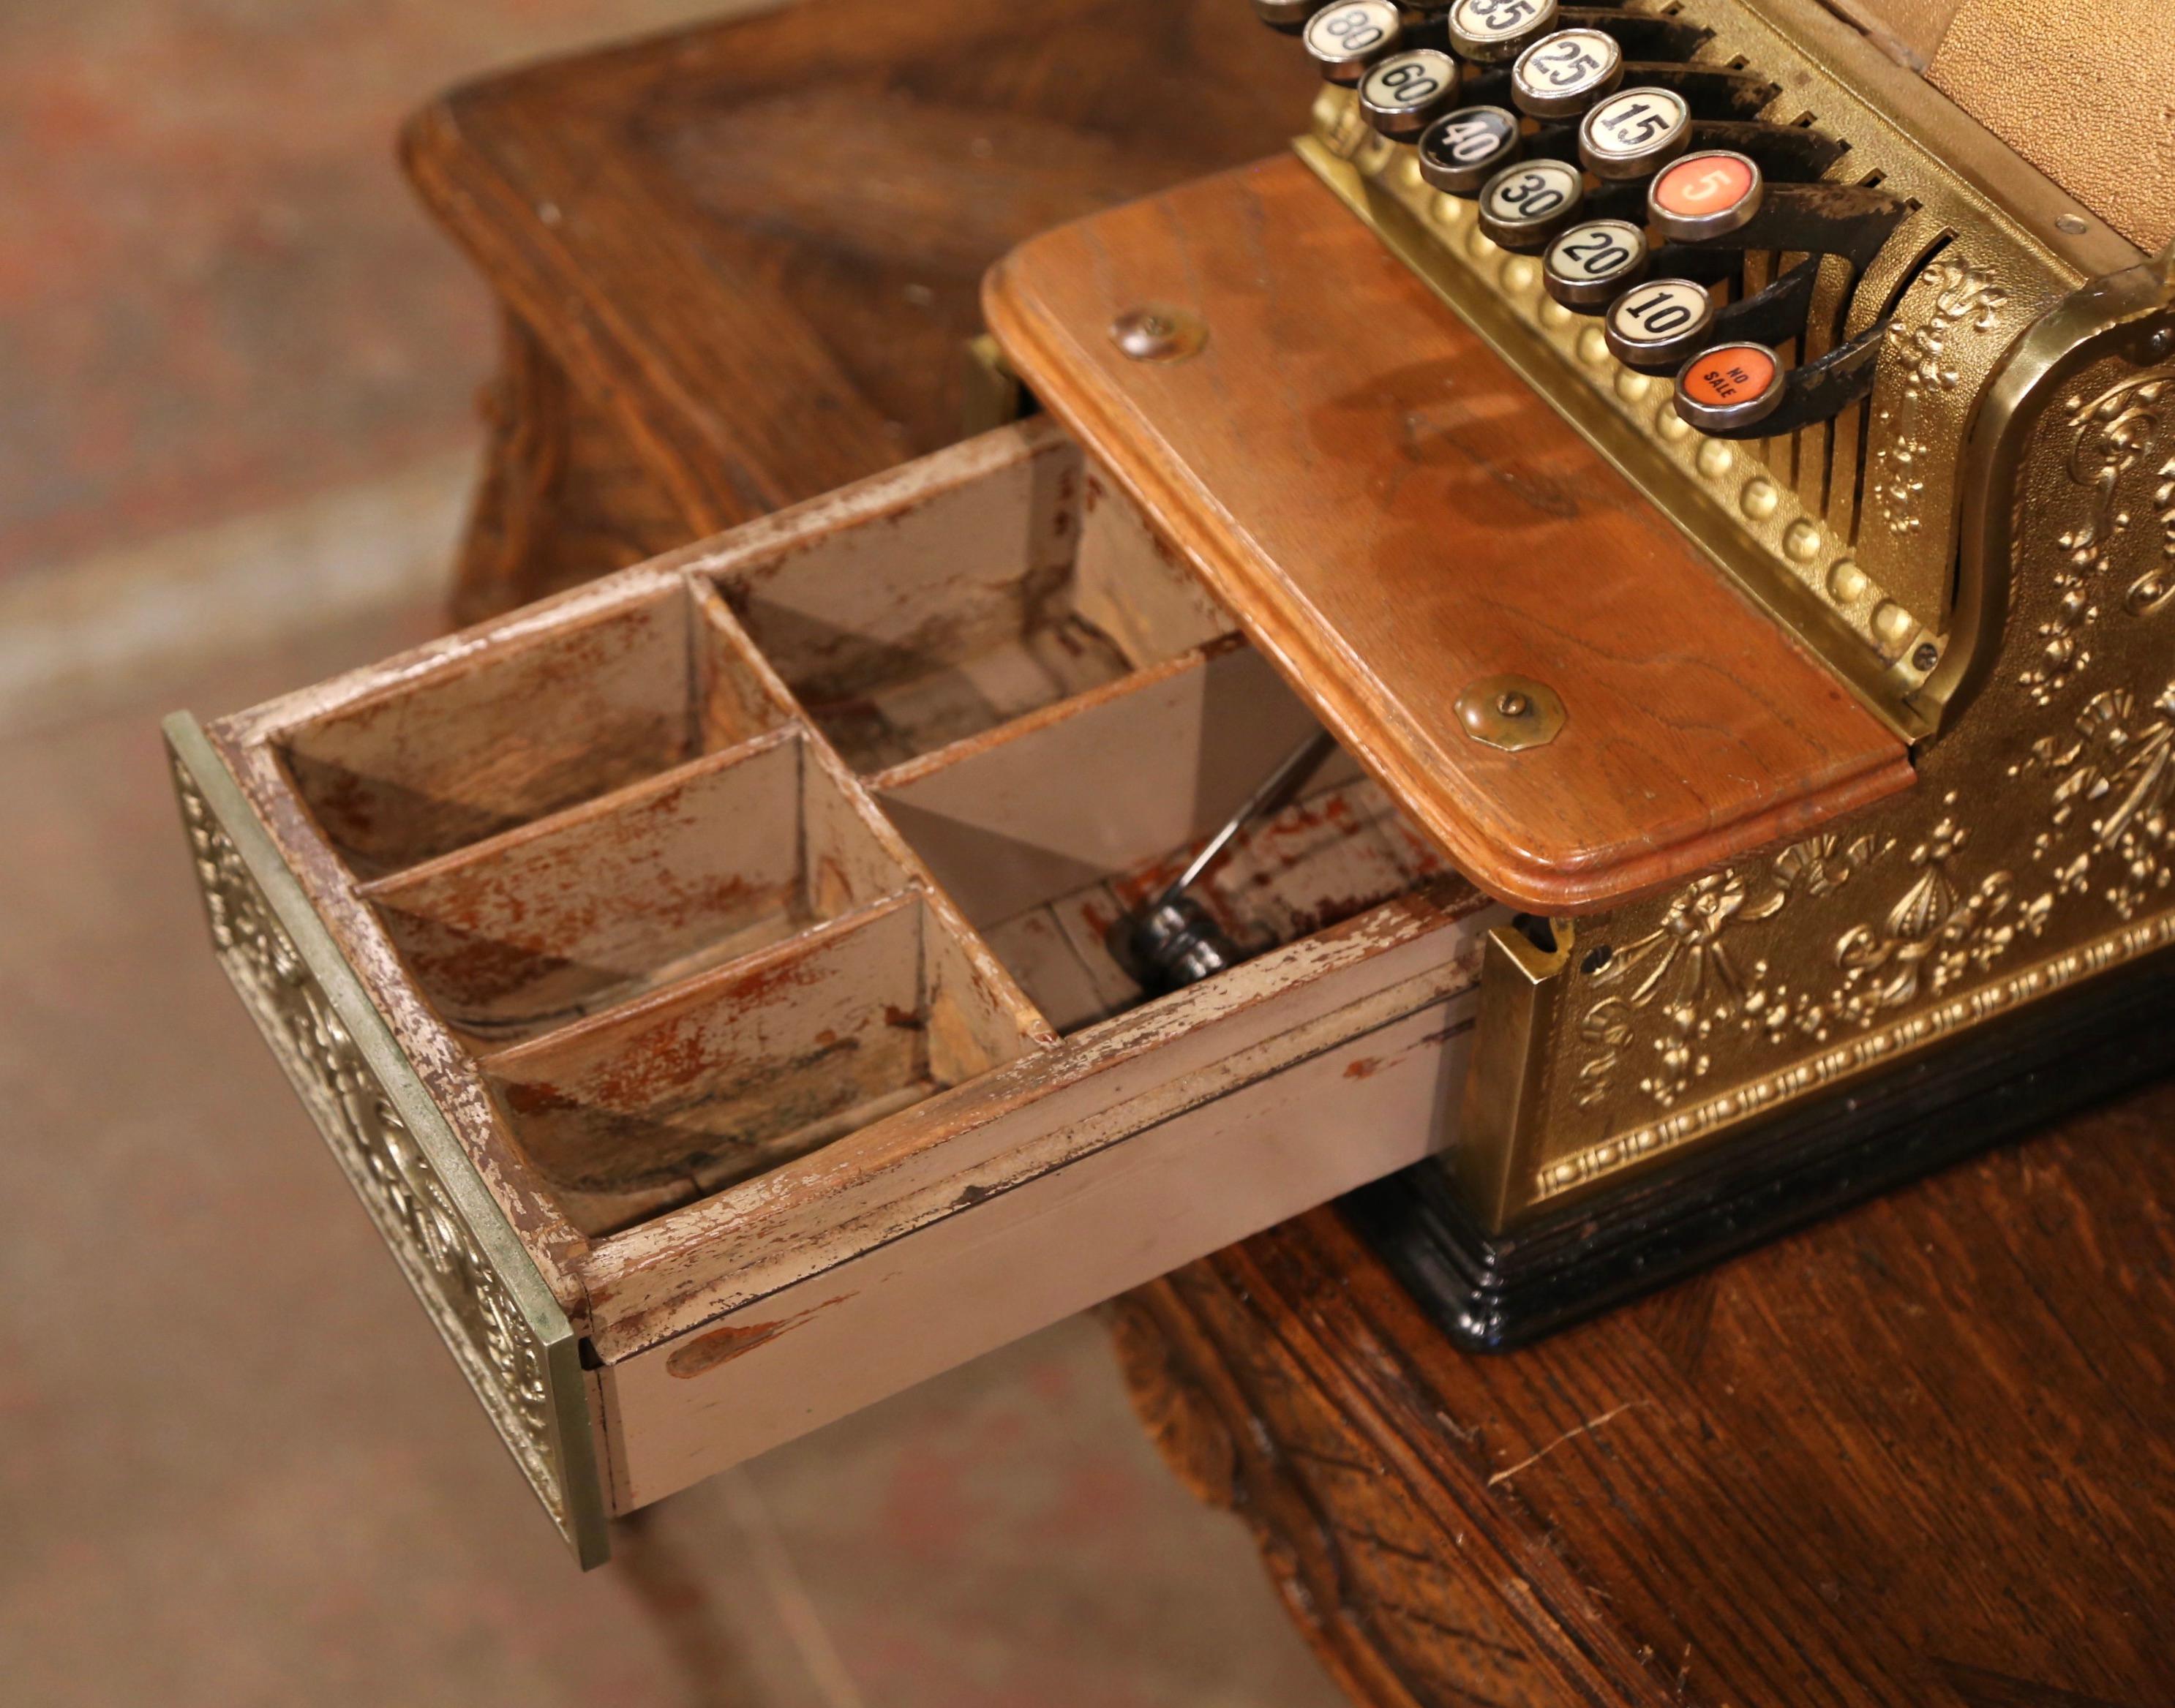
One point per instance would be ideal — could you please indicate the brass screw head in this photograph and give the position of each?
(1154, 333)
(1511, 713)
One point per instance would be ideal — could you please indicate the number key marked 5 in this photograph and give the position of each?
(1594, 262)
(1400, 95)
(1709, 194)
(1524, 206)
(1654, 328)
(1733, 385)
(1634, 133)
(1461, 151)
(1494, 32)
(1347, 38)
(1561, 75)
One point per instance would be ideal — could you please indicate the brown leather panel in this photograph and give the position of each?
(2085, 90)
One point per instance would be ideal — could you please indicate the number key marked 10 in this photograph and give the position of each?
(1733, 385)
(1347, 38)
(1634, 133)
(1707, 195)
(1561, 75)
(1400, 95)
(1656, 326)
(1525, 206)
(1494, 32)
(1461, 151)
(1594, 262)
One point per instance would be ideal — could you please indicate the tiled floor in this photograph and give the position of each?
(234, 1467)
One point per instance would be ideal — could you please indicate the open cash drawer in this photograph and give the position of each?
(702, 976)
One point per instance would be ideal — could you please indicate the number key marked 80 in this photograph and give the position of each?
(1345, 38)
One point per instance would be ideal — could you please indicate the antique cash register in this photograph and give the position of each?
(1586, 659)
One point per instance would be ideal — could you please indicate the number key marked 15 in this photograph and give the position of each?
(1561, 75)
(1710, 194)
(1347, 38)
(1634, 133)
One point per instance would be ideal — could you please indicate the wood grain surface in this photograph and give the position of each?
(1916, 1457)
(1393, 514)
(740, 262)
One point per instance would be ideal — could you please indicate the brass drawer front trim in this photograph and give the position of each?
(497, 1318)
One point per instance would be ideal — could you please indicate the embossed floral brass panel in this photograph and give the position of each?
(2038, 850)
(504, 1329)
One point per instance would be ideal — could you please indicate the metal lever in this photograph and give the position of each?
(1174, 942)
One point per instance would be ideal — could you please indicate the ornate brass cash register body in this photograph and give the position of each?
(1711, 488)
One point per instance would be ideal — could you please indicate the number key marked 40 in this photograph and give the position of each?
(1461, 151)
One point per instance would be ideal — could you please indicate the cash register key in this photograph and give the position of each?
(1709, 194)
(1561, 75)
(1287, 15)
(1345, 38)
(1494, 32)
(1524, 206)
(1400, 95)
(1733, 385)
(1635, 133)
(1594, 262)
(1461, 151)
(1655, 326)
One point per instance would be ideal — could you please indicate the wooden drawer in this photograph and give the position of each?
(700, 977)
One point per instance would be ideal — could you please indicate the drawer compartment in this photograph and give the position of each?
(724, 1076)
(702, 977)
(718, 857)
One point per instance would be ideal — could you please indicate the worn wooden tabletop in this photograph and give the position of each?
(1918, 1455)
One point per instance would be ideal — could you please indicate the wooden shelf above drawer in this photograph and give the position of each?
(1392, 515)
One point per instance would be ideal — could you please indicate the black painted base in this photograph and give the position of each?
(2001, 1081)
